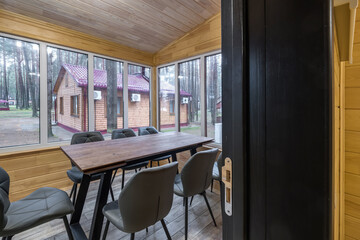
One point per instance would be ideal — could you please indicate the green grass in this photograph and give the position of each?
(16, 113)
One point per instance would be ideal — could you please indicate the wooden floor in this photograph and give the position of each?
(200, 223)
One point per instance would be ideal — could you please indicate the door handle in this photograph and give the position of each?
(227, 180)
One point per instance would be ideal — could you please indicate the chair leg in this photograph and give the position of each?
(192, 198)
(72, 190)
(169, 160)
(67, 227)
(151, 164)
(132, 237)
(106, 229)
(112, 193)
(208, 205)
(165, 229)
(74, 196)
(158, 163)
(212, 185)
(123, 179)
(186, 217)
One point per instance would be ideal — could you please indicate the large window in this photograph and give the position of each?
(108, 95)
(190, 105)
(139, 96)
(67, 86)
(167, 98)
(19, 92)
(213, 97)
(195, 106)
(42, 82)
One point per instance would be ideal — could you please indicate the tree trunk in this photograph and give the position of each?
(111, 110)
(30, 82)
(6, 89)
(213, 86)
(21, 82)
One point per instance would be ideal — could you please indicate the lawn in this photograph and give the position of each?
(16, 113)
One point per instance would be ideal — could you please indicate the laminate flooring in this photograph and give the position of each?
(201, 226)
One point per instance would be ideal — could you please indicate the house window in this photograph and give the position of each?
(75, 106)
(119, 107)
(66, 80)
(172, 106)
(61, 105)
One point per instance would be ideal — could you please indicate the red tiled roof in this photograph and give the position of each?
(136, 82)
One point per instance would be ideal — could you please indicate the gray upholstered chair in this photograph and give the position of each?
(195, 178)
(216, 173)
(75, 173)
(123, 133)
(41, 206)
(146, 199)
(151, 130)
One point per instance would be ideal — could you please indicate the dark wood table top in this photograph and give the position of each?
(99, 156)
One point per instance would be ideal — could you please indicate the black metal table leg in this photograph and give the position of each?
(80, 200)
(98, 217)
(173, 156)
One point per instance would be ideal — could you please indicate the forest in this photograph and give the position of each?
(19, 74)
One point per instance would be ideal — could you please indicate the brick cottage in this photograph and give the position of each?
(71, 100)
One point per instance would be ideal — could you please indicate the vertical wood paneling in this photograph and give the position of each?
(352, 143)
(204, 38)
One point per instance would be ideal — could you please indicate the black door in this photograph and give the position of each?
(277, 74)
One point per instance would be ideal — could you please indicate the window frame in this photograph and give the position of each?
(203, 103)
(72, 107)
(61, 103)
(121, 108)
(44, 143)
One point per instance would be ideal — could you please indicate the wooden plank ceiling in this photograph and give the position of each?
(147, 25)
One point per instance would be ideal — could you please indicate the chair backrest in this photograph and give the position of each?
(196, 175)
(147, 197)
(122, 133)
(86, 137)
(4, 197)
(147, 131)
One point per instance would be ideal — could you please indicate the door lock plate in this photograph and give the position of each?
(227, 180)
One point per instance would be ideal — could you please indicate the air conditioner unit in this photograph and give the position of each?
(135, 97)
(97, 95)
(185, 100)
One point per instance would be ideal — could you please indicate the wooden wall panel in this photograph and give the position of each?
(31, 170)
(352, 98)
(352, 164)
(352, 142)
(17, 24)
(204, 38)
(352, 119)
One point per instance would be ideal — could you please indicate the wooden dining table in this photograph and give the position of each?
(106, 156)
